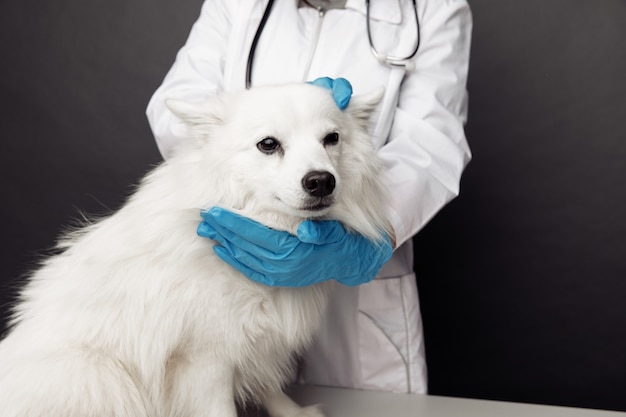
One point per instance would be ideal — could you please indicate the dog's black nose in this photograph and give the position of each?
(319, 183)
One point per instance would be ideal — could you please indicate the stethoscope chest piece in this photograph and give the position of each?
(393, 60)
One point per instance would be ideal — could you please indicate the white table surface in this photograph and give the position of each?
(351, 403)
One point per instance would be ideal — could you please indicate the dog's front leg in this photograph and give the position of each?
(200, 387)
(278, 404)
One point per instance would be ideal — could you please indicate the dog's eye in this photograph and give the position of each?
(268, 145)
(331, 139)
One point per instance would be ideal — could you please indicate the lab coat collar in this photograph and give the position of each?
(387, 11)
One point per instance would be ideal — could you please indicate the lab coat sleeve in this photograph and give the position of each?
(427, 149)
(196, 74)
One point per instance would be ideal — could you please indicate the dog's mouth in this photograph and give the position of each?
(318, 204)
(311, 205)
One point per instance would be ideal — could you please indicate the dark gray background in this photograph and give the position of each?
(521, 278)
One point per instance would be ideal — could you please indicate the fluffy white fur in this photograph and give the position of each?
(137, 316)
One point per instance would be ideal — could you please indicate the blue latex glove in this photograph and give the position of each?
(322, 250)
(340, 87)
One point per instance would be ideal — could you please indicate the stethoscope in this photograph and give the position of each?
(391, 60)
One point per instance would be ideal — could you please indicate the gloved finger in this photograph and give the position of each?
(324, 82)
(205, 230)
(321, 232)
(342, 92)
(248, 272)
(254, 275)
(340, 88)
(246, 233)
(239, 245)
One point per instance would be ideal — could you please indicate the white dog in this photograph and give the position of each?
(137, 317)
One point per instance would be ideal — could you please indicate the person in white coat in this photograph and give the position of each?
(373, 337)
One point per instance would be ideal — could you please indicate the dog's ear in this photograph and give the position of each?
(362, 106)
(196, 114)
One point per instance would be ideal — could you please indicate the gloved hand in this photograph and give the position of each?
(340, 87)
(322, 250)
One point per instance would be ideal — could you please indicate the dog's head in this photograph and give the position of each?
(285, 153)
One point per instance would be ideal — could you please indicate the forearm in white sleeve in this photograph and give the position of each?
(427, 149)
(196, 75)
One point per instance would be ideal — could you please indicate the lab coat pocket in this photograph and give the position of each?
(390, 343)
(382, 364)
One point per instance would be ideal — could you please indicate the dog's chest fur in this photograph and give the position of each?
(169, 299)
(276, 331)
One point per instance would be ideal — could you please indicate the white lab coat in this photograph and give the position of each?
(373, 338)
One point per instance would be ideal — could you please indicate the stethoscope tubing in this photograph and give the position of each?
(391, 60)
(257, 35)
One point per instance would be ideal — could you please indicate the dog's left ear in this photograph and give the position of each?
(362, 106)
(196, 114)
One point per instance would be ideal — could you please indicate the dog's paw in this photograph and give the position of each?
(310, 411)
